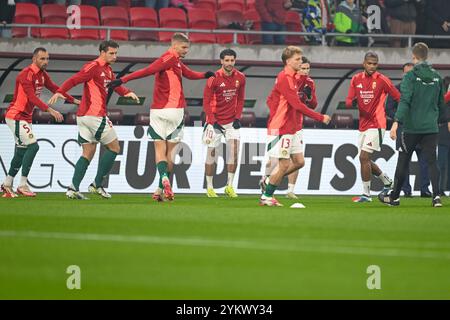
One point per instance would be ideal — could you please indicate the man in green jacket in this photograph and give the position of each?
(348, 19)
(420, 109)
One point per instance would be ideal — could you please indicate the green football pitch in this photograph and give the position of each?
(130, 247)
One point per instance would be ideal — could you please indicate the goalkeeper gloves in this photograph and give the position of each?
(236, 124)
(209, 74)
(115, 83)
(218, 128)
(308, 91)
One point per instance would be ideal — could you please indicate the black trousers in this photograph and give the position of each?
(408, 143)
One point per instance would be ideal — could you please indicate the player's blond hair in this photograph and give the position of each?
(180, 37)
(289, 52)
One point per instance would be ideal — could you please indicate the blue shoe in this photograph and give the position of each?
(385, 197)
(362, 198)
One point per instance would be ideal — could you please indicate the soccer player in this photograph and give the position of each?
(167, 109)
(285, 144)
(223, 101)
(29, 85)
(93, 123)
(370, 89)
(421, 107)
(307, 93)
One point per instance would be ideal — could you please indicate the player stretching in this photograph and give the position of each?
(93, 124)
(370, 89)
(285, 145)
(223, 101)
(29, 85)
(167, 109)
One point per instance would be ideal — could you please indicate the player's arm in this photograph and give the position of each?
(391, 89)
(311, 100)
(443, 112)
(240, 99)
(194, 75)
(288, 90)
(160, 64)
(447, 97)
(208, 93)
(351, 94)
(125, 92)
(53, 87)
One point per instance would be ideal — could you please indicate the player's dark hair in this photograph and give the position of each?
(228, 52)
(107, 44)
(39, 49)
(408, 64)
(420, 51)
(180, 37)
(370, 54)
(305, 60)
(289, 53)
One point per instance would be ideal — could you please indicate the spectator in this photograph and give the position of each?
(348, 19)
(273, 13)
(157, 4)
(438, 21)
(444, 145)
(312, 20)
(403, 14)
(182, 4)
(6, 17)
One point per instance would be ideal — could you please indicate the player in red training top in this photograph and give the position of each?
(285, 145)
(370, 90)
(223, 101)
(29, 85)
(167, 109)
(93, 123)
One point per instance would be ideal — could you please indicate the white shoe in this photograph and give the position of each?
(100, 191)
(73, 194)
(291, 195)
(269, 201)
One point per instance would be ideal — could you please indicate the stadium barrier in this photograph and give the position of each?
(332, 164)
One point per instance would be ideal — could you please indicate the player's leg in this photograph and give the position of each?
(210, 170)
(429, 146)
(376, 171)
(292, 180)
(232, 138)
(297, 162)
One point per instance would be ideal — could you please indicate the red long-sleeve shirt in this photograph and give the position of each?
(285, 105)
(371, 93)
(168, 89)
(96, 75)
(29, 85)
(224, 97)
(271, 10)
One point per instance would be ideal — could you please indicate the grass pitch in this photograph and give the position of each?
(130, 247)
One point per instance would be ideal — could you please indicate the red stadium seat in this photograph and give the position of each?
(115, 115)
(142, 119)
(202, 19)
(54, 14)
(237, 5)
(144, 17)
(89, 17)
(224, 19)
(248, 119)
(26, 13)
(117, 17)
(342, 121)
(254, 16)
(171, 18)
(70, 118)
(293, 24)
(40, 116)
(124, 3)
(206, 4)
(250, 5)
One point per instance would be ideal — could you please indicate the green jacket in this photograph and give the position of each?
(422, 101)
(348, 20)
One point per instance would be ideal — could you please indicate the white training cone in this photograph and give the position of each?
(298, 205)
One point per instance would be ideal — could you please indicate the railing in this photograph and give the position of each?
(235, 33)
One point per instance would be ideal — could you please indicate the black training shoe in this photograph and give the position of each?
(385, 197)
(436, 202)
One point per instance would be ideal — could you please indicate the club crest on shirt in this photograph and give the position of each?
(237, 83)
(374, 85)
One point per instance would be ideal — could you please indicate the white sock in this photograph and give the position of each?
(267, 180)
(8, 181)
(366, 188)
(291, 187)
(384, 178)
(23, 181)
(209, 182)
(230, 179)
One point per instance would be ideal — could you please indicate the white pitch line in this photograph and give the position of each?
(310, 245)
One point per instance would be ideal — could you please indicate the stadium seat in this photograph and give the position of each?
(254, 16)
(115, 115)
(26, 13)
(202, 19)
(224, 19)
(206, 4)
(293, 24)
(2, 115)
(237, 5)
(171, 18)
(70, 118)
(144, 17)
(124, 3)
(342, 121)
(142, 119)
(250, 4)
(89, 17)
(40, 116)
(248, 119)
(54, 14)
(117, 17)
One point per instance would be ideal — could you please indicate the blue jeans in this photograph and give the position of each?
(270, 38)
(157, 4)
(443, 157)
